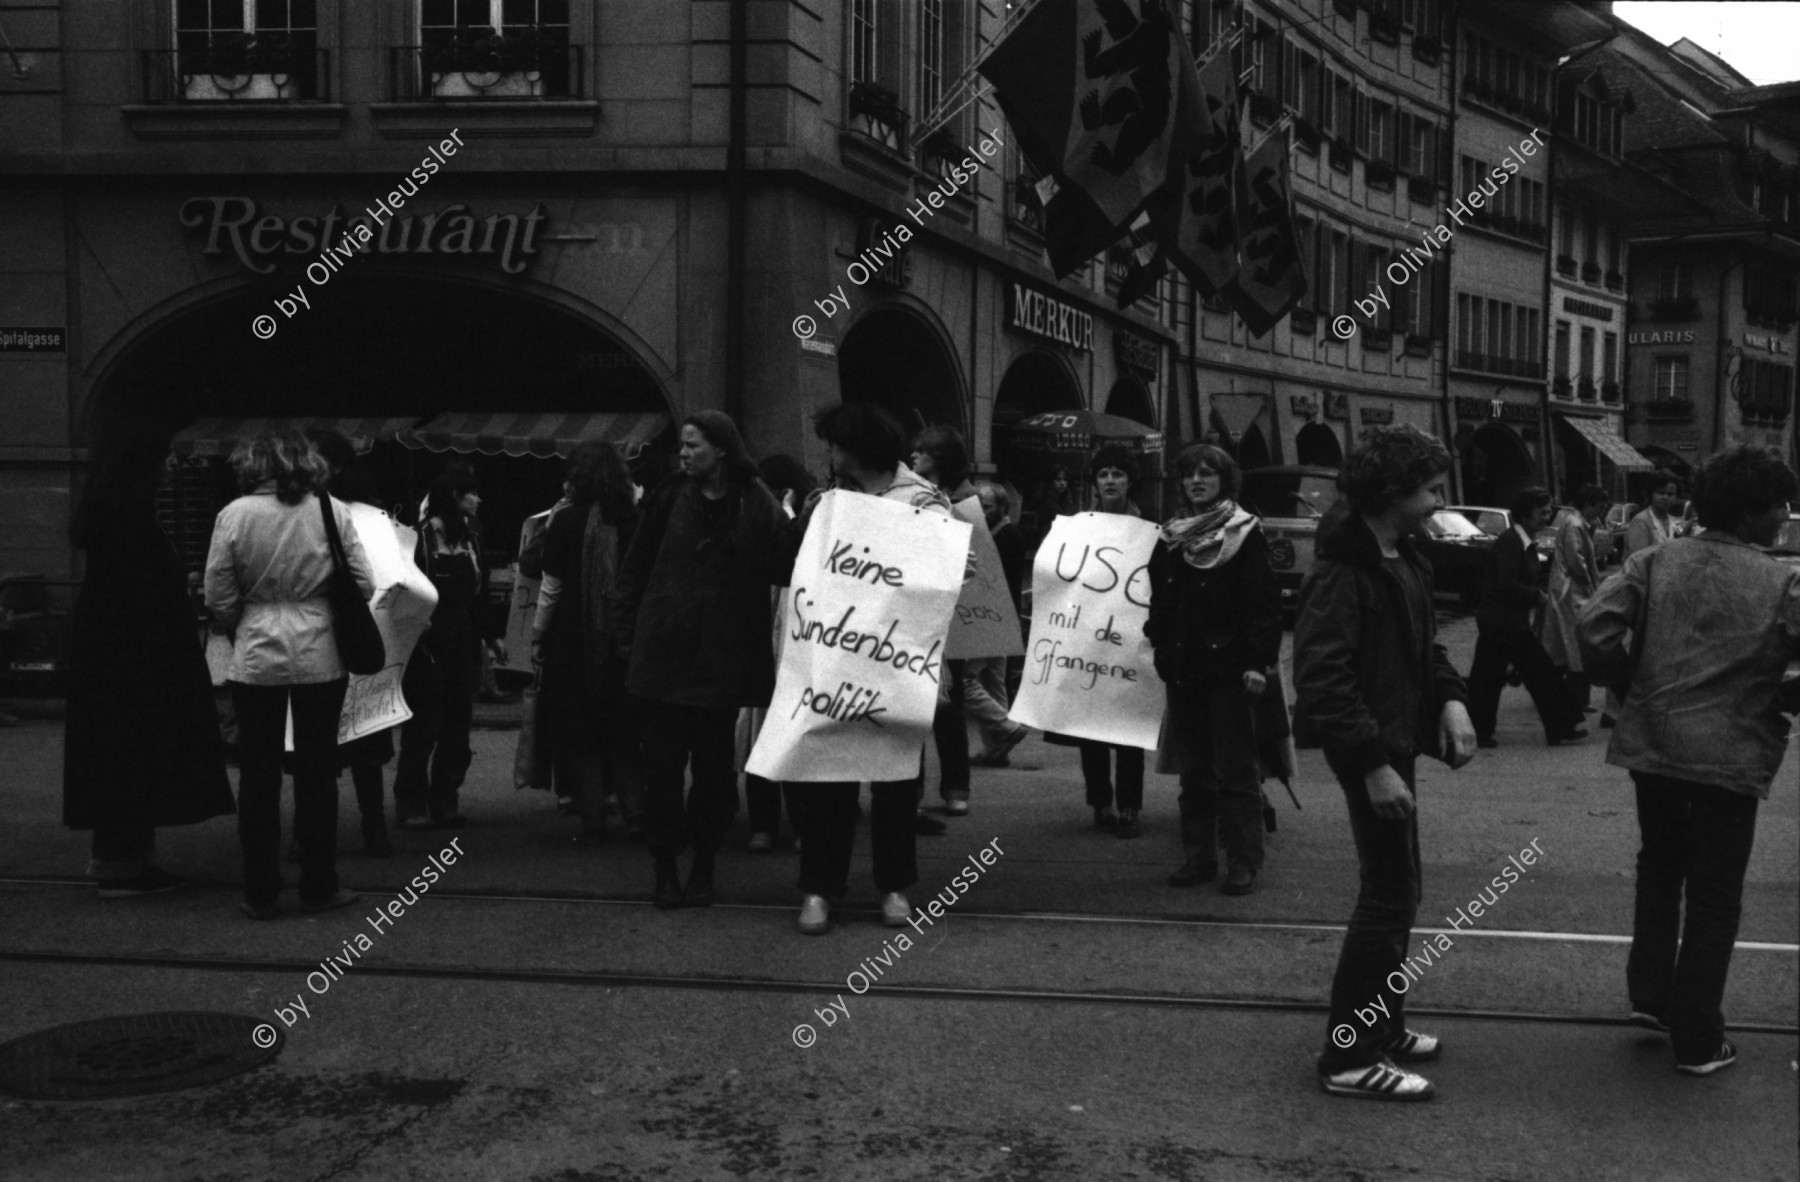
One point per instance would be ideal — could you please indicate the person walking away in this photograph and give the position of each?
(577, 642)
(445, 669)
(1652, 525)
(694, 595)
(866, 445)
(1513, 589)
(347, 480)
(1106, 767)
(266, 578)
(1377, 688)
(141, 743)
(940, 456)
(1697, 633)
(1215, 627)
(1574, 577)
(792, 484)
(985, 694)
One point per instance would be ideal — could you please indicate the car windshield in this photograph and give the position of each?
(1492, 522)
(1452, 526)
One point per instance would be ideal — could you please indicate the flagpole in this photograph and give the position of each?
(933, 119)
(922, 130)
(1281, 125)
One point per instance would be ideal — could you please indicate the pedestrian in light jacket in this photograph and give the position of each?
(1697, 633)
(1574, 576)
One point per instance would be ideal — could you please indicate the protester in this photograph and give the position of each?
(1574, 576)
(866, 445)
(1054, 498)
(1215, 624)
(266, 579)
(694, 594)
(1512, 590)
(1697, 633)
(1113, 474)
(940, 456)
(577, 642)
(1378, 689)
(985, 695)
(792, 484)
(348, 482)
(444, 672)
(141, 745)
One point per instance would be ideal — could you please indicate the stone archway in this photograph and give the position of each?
(1315, 443)
(897, 359)
(1495, 466)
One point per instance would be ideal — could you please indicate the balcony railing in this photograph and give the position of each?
(489, 68)
(876, 112)
(1586, 390)
(1561, 385)
(1610, 392)
(243, 72)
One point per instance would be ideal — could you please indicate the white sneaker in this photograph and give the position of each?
(895, 909)
(956, 808)
(1383, 1081)
(815, 916)
(761, 843)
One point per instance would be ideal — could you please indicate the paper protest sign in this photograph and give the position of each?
(870, 601)
(402, 606)
(1089, 672)
(985, 624)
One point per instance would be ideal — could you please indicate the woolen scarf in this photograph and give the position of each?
(1211, 537)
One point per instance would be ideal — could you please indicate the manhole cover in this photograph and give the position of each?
(134, 1055)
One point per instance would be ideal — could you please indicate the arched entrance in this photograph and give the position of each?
(1253, 449)
(1037, 382)
(900, 361)
(1130, 398)
(1495, 466)
(405, 347)
(1315, 443)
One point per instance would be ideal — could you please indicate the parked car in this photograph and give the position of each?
(1461, 553)
(1495, 522)
(1291, 499)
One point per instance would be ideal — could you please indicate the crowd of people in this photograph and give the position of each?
(655, 642)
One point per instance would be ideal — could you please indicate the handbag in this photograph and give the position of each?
(359, 642)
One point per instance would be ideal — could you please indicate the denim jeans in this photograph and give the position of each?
(1375, 946)
(435, 755)
(985, 699)
(1213, 729)
(1696, 837)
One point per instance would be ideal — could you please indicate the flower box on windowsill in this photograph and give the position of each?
(239, 87)
(876, 112)
(1379, 174)
(1615, 281)
(1418, 345)
(1379, 340)
(1384, 29)
(1590, 272)
(1585, 390)
(1566, 265)
(1342, 157)
(1561, 385)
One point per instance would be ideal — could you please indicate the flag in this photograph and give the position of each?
(1148, 263)
(1271, 279)
(1197, 216)
(1090, 88)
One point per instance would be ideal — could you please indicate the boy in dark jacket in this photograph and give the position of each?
(1378, 690)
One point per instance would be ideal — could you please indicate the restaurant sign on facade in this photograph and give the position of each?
(1039, 314)
(233, 225)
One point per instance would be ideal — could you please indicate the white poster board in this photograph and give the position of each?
(871, 598)
(402, 605)
(521, 611)
(1089, 672)
(985, 624)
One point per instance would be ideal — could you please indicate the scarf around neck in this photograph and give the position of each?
(1211, 537)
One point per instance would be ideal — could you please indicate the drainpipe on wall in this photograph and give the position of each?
(735, 201)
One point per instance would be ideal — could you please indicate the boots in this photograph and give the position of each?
(667, 894)
(1195, 870)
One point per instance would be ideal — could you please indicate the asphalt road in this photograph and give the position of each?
(1071, 1017)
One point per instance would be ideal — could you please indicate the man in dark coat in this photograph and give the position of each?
(695, 616)
(141, 744)
(1514, 588)
(1378, 690)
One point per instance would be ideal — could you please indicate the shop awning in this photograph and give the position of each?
(541, 435)
(216, 436)
(1237, 412)
(1596, 432)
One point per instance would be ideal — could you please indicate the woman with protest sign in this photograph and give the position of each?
(267, 574)
(577, 644)
(1215, 623)
(695, 617)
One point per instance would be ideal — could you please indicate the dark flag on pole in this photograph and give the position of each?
(1090, 88)
(1271, 278)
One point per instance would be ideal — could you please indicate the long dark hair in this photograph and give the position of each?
(349, 478)
(597, 476)
(456, 481)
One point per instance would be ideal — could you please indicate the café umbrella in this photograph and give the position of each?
(1079, 432)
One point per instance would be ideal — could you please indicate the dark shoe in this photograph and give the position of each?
(1013, 739)
(700, 883)
(1239, 880)
(414, 824)
(1193, 872)
(989, 759)
(1486, 742)
(1106, 820)
(376, 843)
(1723, 1058)
(1644, 1020)
(150, 882)
(449, 821)
(926, 826)
(1128, 824)
(667, 894)
(1572, 735)
(258, 911)
(342, 899)
(1268, 817)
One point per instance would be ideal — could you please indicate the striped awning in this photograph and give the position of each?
(216, 436)
(1603, 437)
(541, 435)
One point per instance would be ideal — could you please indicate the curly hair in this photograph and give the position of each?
(872, 436)
(1739, 482)
(1388, 465)
(284, 455)
(1196, 456)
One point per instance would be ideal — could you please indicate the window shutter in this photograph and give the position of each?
(1361, 134)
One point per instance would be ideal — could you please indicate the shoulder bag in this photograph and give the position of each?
(353, 626)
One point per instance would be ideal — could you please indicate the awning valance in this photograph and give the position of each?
(216, 436)
(541, 435)
(1237, 412)
(1596, 432)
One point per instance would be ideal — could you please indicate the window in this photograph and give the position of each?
(494, 48)
(1421, 153)
(1343, 104)
(1675, 282)
(1464, 320)
(1310, 87)
(1306, 233)
(1592, 257)
(1416, 319)
(1586, 373)
(246, 49)
(865, 40)
(1610, 361)
(1671, 378)
(1339, 262)
(1562, 349)
(931, 55)
(1381, 131)
(1534, 354)
(1565, 218)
